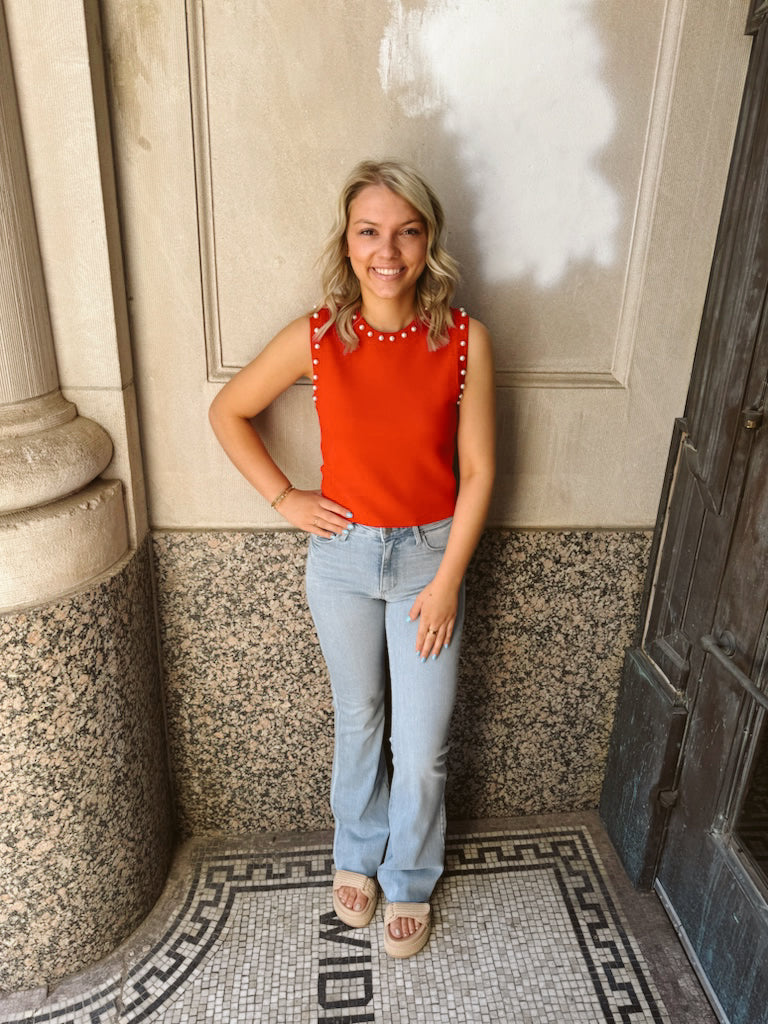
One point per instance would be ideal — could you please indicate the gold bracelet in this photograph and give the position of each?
(282, 494)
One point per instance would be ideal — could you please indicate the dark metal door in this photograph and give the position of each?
(685, 794)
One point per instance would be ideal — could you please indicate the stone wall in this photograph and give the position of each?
(549, 615)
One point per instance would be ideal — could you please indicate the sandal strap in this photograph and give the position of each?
(416, 911)
(353, 880)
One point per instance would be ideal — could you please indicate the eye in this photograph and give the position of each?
(366, 231)
(412, 231)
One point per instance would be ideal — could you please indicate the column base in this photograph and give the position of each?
(41, 465)
(57, 548)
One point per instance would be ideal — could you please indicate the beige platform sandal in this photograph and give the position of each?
(419, 912)
(369, 889)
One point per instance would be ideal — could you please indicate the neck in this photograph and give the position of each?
(388, 315)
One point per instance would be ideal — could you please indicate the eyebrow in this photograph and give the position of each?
(375, 223)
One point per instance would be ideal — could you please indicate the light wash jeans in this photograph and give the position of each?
(361, 586)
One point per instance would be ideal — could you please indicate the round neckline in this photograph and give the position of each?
(365, 330)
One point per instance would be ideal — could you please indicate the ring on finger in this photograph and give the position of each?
(432, 631)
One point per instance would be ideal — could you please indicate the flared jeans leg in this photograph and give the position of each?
(423, 695)
(350, 627)
(360, 588)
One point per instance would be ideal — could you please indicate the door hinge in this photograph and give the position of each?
(752, 419)
(668, 797)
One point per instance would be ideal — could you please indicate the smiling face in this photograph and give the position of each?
(387, 247)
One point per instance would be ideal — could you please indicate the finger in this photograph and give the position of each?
(329, 522)
(320, 529)
(448, 633)
(429, 642)
(335, 508)
(421, 636)
(442, 638)
(437, 644)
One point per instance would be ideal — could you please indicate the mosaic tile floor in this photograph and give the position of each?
(527, 929)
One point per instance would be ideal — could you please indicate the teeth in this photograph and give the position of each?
(387, 271)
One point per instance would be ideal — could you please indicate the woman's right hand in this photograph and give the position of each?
(310, 511)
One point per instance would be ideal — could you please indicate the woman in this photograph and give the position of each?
(403, 387)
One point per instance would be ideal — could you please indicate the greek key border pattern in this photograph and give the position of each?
(621, 986)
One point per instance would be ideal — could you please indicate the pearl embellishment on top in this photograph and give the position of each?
(360, 325)
(462, 358)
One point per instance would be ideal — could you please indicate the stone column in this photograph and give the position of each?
(58, 528)
(86, 816)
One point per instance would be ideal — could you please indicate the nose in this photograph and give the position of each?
(389, 245)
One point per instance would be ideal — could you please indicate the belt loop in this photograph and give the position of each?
(417, 534)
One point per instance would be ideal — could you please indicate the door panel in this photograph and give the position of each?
(751, 831)
(717, 902)
(734, 306)
(642, 758)
(666, 641)
(713, 445)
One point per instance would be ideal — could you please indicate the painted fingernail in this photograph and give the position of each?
(434, 657)
(423, 660)
(348, 528)
(348, 515)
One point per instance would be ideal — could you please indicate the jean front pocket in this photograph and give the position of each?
(323, 542)
(435, 535)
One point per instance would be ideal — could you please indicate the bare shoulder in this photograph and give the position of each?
(288, 351)
(295, 333)
(480, 344)
(477, 411)
(478, 330)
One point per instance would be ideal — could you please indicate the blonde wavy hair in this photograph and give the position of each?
(435, 287)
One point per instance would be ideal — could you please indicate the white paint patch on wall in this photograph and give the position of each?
(518, 88)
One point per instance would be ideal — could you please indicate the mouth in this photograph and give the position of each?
(388, 272)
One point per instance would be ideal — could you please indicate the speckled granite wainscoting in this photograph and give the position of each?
(86, 824)
(549, 616)
(249, 710)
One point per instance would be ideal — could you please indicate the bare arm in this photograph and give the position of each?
(283, 361)
(438, 602)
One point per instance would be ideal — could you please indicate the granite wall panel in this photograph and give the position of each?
(549, 616)
(86, 820)
(249, 711)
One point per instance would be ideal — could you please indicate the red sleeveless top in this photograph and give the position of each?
(388, 419)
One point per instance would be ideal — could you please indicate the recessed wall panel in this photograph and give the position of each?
(580, 148)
